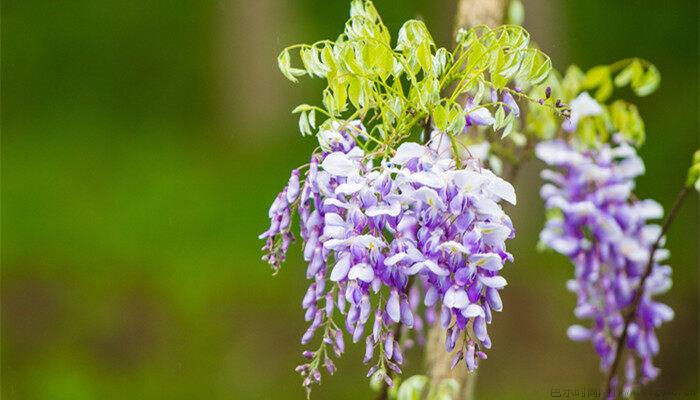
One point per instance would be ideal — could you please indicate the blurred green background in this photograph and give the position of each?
(142, 143)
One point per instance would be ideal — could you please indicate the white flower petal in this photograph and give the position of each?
(488, 261)
(468, 181)
(333, 219)
(501, 188)
(473, 310)
(453, 247)
(427, 178)
(486, 206)
(496, 282)
(329, 138)
(396, 258)
(407, 151)
(349, 188)
(335, 244)
(341, 268)
(392, 209)
(339, 164)
(362, 272)
(431, 296)
(557, 152)
(649, 209)
(455, 297)
(482, 116)
(494, 234)
(436, 269)
(578, 333)
(429, 196)
(393, 307)
(336, 203)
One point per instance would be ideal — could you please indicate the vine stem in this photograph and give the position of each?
(632, 313)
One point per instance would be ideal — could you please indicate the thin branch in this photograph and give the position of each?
(632, 313)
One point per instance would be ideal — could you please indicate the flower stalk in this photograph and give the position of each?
(609, 387)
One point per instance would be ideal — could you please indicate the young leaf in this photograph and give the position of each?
(355, 91)
(424, 57)
(595, 76)
(284, 64)
(631, 73)
(647, 83)
(440, 117)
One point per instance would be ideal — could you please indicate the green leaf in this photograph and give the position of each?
(349, 60)
(424, 57)
(449, 387)
(312, 118)
(604, 90)
(456, 119)
(440, 117)
(626, 120)
(481, 88)
(541, 68)
(355, 91)
(440, 61)
(304, 127)
(630, 73)
(586, 132)
(411, 34)
(595, 76)
(384, 62)
(284, 64)
(329, 102)
(693, 179)
(412, 388)
(499, 118)
(572, 82)
(647, 83)
(328, 58)
(302, 107)
(428, 92)
(340, 95)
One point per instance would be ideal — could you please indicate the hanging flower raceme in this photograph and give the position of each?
(394, 243)
(595, 220)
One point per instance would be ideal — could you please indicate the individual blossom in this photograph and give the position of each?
(582, 106)
(596, 221)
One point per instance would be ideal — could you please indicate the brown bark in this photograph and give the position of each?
(479, 12)
(469, 13)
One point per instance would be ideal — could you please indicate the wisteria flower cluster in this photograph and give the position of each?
(595, 220)
(383, 236)
(399, 235)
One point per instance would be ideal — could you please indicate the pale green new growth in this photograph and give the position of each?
(395, 88)
(419, 387)
(693, 179)
(618, 116)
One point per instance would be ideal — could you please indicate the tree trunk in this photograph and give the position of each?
(469, 13)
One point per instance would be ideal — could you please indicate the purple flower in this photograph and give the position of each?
(511, 105)
(371, 224)
(596, 222)
(478, 115)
